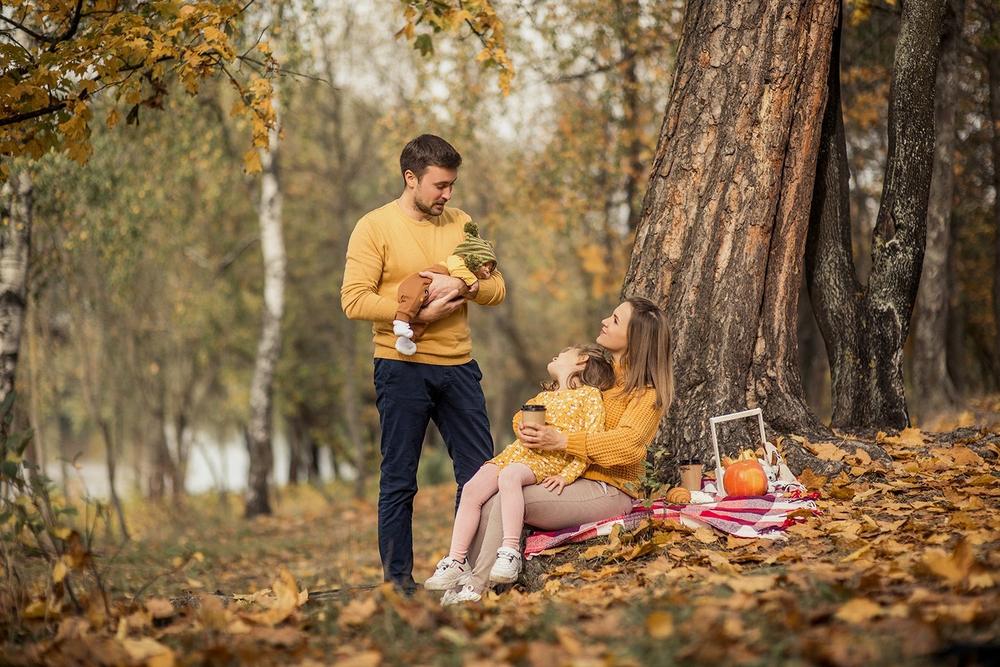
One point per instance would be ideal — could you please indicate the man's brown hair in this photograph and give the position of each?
(428, 150)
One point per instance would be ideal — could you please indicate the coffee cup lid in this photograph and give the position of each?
(533, 408)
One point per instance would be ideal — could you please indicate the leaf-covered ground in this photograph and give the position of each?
(901, 568)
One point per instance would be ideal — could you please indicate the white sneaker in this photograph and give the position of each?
(401, 328)
(405, 346)
(447, 575)
(466, 593)
(507, 567)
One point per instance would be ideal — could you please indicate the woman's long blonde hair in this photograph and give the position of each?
(646, 361)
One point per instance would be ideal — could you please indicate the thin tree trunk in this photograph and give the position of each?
(162, 463)
(312, 464)
(931, 381)
(91, 348)
(812, 359)
(15, 242)
(182, 449)
(350, 398)
(294, 448)
(628, 28)
(865, 328)
(992, 54)
(259, 429)
(35, 390)
(725, 216)
(109, 459)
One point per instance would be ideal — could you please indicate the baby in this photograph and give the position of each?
(473, 259)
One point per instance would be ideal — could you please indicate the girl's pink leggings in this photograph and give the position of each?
(509, 482)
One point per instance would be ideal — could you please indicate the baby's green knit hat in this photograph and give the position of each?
(474, 250)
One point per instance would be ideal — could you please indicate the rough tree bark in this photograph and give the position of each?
(15, 241)
(724, 219)
(865, 327)
(259, 429)
(934, 389)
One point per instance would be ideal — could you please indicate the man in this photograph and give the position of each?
(440, 381)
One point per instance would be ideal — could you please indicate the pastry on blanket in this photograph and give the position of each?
(678, 496)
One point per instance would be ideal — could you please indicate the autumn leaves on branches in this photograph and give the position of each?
(60, 56)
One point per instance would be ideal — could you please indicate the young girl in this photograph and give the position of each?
(573, 402)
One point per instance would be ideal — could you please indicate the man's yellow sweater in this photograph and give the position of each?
(387, 246)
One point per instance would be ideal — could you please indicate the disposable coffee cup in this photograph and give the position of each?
(690, 470)
(533, 415)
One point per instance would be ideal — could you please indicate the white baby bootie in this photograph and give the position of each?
(405, 346)
(401, 328)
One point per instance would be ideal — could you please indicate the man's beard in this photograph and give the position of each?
(427, 209)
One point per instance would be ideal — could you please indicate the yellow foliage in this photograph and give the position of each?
(47, 93)
(453, 16)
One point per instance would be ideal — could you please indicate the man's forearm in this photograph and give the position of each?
(363, 304)
(491, 291)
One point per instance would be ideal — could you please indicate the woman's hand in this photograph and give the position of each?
(543, 438)
(555, 483)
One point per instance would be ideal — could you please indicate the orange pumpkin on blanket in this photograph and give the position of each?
(745, 478)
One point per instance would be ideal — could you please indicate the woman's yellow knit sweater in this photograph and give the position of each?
(616, 455)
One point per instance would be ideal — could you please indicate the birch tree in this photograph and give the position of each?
(259, 431)
(15, 241)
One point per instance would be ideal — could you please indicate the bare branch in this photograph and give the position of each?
(25, 29)
(52, 41)
(28, 115)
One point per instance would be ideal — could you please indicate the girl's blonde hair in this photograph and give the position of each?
(598, 371)
(647, 358)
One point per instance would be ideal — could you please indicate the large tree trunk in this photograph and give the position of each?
(15, 241)
(934, 390)
(865, 328)
(259, 429)
(725, 216)
(992, 53)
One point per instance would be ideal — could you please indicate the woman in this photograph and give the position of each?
(638, 339)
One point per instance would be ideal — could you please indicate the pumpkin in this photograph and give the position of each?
(745, 478)
(678, 496)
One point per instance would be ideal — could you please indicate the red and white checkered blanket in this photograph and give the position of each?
(749, 516)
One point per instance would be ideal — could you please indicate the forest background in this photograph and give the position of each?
(145, 296)
(170, 320)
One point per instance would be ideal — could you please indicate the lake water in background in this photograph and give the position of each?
(213, 466)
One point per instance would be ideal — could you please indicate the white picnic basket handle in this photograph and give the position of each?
(715, 440)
